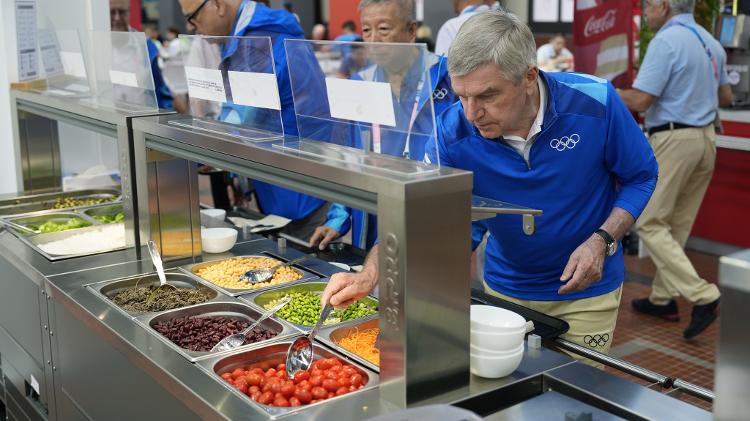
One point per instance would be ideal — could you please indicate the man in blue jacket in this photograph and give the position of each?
(560, 142)
(250, 18)
(393, 21)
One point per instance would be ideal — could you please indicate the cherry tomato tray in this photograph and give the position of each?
(331, 335)
(273, 354)
(228, 309)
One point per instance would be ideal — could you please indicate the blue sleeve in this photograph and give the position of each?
(437, 154)
(629, 157)
(478, 229)
(164, 98)
(656, 68)
(339, 218)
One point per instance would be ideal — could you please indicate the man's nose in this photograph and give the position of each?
(472, 110)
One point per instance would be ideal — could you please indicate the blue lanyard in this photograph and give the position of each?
(711, 57)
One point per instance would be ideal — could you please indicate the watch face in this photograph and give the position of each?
(611, 249)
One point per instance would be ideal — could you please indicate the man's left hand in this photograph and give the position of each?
(584, 266)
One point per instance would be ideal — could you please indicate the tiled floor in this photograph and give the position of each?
(658, 345)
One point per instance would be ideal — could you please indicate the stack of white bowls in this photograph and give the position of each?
(496, 341)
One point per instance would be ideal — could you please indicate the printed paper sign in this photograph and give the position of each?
(73, 64)
(360, 100)
(205, 84)
(28, 62)
(50, 53)
(123, 78)
(255, 90)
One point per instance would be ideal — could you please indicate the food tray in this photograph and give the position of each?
(329, 336)
(109, 210)
(277, 351)
(34, 241)
(39, 218)
(306, 275)
(108, 289)
(40, 202)
(218, 308)
(262, 298)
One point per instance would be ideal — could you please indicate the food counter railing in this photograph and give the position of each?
(24, 325)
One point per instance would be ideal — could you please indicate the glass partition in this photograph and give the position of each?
(373, 97)
(64, 63)
(122, 71)
(232, 87)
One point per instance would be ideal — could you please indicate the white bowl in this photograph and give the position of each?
(505, 341)
(212, 218)
(218, 240)
(484, 352)
(495, 319)
(495, 367)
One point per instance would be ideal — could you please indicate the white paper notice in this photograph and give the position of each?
(28, 62)
(255, 90)
(34, 384)
(50, 53)
(123, 78)
(546, 10)
(73, 64)
(205, 84)
(360, 100)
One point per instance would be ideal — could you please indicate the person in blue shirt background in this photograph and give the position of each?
(393, 21)
(681, 82)
(250, 18)
(350, 35)
(560, 142)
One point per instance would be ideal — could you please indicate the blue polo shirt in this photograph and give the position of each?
(678, 71)
(589, 157)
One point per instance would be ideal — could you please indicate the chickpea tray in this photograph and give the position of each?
(225, 274)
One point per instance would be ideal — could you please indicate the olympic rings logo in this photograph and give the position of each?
(439, 93)
(565, 142)
(596, 340)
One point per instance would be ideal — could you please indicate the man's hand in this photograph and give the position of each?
(584, 266)
(345, 288)
(322, 236)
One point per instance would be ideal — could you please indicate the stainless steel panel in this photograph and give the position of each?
(261, 299)
(332, 335)
(733, 367)
(41, 148)
(233, 310)
(108, 289)
(304, 276)
(551, 406)
(20, 314)
(275, 354)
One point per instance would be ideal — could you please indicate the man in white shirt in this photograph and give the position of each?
(465, 10)
(554, 57)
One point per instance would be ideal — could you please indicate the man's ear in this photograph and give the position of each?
(531, 78)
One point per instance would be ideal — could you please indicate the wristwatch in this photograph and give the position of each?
(611, 243)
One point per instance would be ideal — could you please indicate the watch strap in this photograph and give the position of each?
(606, 236)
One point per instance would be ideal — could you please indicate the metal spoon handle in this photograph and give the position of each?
(156, 259)
(323, 316)
(267, 314)
(293, 262)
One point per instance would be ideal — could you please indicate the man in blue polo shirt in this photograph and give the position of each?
(560, 142)
(680, 84)
(249, 18)
(393, 21)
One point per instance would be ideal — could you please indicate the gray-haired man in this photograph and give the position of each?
(560, 142)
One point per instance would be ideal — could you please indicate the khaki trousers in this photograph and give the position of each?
(686, 163)
(592, 320)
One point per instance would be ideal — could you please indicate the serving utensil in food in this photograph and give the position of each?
(156, 258)
(233, 341)
(257, 276)
(299, 357)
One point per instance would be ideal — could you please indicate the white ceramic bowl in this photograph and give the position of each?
(212, 218)
(495, 319)
(484, 352)
(495, 367)
(504, 341)
(218, 240)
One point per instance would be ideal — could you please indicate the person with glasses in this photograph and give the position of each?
(682, 81)
(239, 18)
(119, 19)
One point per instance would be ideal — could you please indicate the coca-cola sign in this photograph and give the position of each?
(597, 25)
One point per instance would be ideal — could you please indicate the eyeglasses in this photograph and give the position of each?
(191, 17)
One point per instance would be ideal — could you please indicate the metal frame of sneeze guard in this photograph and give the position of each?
(423, 224)
(64, 63)
(232, 87)
(122, 72)
(344, 100)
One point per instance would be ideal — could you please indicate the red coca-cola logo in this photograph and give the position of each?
(597, 25)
